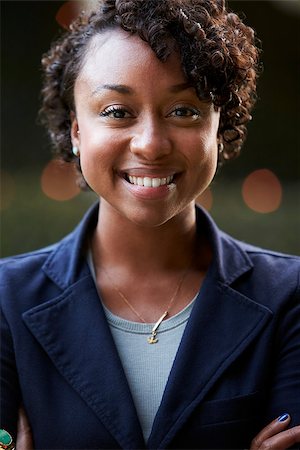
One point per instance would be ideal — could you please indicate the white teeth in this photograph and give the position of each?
(150, 182)
(155, 182)
(147, 182)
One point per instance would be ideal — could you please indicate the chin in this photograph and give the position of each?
(158, 217)
(146, 220)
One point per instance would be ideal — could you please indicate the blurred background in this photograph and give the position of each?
(255, 198)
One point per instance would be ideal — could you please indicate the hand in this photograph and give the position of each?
(24, 436)
(272, 437)
(275, 436)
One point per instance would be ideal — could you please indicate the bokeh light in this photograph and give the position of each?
(68, 12)
(262, 191)
(205, 199)
(58, 180)
(7, 190)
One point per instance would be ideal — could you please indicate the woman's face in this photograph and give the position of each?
(148, 145)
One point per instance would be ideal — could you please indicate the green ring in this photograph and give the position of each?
(5, 437)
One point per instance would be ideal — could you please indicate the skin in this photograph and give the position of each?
(138, 116)
(273, 437)
(162, 132)
(24, 434)
(146, 128)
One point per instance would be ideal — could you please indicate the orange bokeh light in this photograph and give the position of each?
(205, 199)
(262, 191)
(58, 180)
(68, 12)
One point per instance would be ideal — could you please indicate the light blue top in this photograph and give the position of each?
(147, 366)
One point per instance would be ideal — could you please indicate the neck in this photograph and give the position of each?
(120, 242)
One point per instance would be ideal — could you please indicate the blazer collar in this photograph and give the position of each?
(67, 327)
(66, 264)
(74, 333)
(230, 260)
(222, 324)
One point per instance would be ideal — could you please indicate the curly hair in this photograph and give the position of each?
(218, 52)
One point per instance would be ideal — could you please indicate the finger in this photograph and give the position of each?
(24, 436)
(283, 440)
(274, 427)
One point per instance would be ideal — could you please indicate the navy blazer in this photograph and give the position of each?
(237, 367)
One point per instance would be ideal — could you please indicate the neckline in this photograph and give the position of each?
(138, 327)
(145, 328)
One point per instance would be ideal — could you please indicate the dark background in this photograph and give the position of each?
(30, 219)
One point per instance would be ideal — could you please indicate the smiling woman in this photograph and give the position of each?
(147, 326)
(139, 140)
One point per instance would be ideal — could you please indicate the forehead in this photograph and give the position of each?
(117, 55)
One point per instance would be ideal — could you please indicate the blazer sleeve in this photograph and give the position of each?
(285, 386)
(10, 389)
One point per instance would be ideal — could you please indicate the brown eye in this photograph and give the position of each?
(185, 112)
(115, 113)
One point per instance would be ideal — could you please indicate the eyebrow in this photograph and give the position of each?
(120, 88)
(123, 89)
(181, 87)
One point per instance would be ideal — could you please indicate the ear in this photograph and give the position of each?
(75, 134)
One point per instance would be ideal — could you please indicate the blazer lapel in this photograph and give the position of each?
(222, 324)
(73, 331)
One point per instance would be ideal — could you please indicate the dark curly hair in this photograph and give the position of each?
(218, 52)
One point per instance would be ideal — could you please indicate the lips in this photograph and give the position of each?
(150, 184)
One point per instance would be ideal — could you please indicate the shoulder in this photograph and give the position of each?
(29, 279)
(268, 277)
(272, 277)
(269, 259)
(25, 262)
(23, 283)
(235, 257)
(67, 248)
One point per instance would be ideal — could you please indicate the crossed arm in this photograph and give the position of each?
(274, 436)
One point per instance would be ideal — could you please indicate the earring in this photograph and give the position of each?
(220, 148)
(75, 151)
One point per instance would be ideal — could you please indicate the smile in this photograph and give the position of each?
(148, 181)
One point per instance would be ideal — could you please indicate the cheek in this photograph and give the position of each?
(203, 151)
(94, 159)
(209, 143)
(204, 140)
(96, 147)
(202, 159)
(211, 152)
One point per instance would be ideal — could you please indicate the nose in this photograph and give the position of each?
(150, 140)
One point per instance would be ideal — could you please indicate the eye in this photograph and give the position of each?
(185, 112)
(115, 112)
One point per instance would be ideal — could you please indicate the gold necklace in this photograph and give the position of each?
(152, 339)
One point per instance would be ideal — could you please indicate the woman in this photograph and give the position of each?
(147, 327)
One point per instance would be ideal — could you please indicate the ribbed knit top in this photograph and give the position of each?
(146, 366)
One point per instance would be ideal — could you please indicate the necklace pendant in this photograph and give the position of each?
(152, 339)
